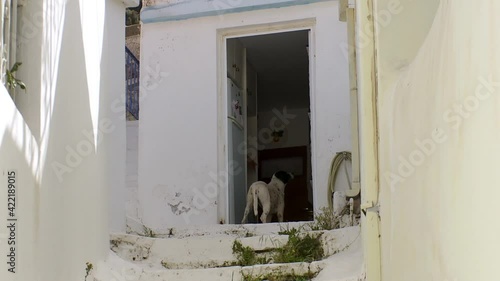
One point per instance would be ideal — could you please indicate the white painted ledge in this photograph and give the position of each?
(164, 10)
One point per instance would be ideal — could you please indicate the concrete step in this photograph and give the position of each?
(118, 270)
(213, 251)
(209, 256)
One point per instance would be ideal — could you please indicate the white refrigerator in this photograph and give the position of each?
(236, 148)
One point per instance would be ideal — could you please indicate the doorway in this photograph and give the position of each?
(268, 127)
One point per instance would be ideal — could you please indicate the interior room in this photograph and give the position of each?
(275, 119)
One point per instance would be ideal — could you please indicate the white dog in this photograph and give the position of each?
(271, 197)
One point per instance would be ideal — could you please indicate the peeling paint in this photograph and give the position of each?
(179, 208)
(177, 202)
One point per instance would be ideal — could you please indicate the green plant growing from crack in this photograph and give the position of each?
(300, 247)
(280, 276)
(88, 269)
(12, 81)
(246, 255)
(148, 232)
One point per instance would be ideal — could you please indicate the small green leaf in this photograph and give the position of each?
(11, 81)
(21, 85)
(15, 66)
(12, 84)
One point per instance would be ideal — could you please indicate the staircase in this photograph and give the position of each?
(207, 254)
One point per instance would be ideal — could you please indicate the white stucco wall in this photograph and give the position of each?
(18, 154)
(131, 200)
(439, 141)
(67, 141)
(178, 144)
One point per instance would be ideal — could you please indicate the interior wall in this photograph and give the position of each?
(178, 160)
(296, 133)
(296, 128)
(439, 138)
(252, 125)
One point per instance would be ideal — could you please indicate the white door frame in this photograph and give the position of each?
(222, 137)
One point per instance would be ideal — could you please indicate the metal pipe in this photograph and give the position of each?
(368, 141)
(353, 85)
(351, 212)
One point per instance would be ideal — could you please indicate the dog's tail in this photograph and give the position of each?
(255, 202)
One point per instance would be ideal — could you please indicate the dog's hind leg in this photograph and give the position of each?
(247, 209)
(266, 208)
(255, 196)
(281, 209)
(245, 217)
(266, 217)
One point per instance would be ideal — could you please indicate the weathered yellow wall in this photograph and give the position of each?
(439, 149)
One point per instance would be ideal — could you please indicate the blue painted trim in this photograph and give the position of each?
(204, 8)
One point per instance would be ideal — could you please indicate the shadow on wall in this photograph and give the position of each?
(18, 165)
(65, 177)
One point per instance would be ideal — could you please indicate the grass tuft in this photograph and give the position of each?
(246, 256)
(300, 247)
(280, 276)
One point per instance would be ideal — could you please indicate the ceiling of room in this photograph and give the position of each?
(282, 65)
